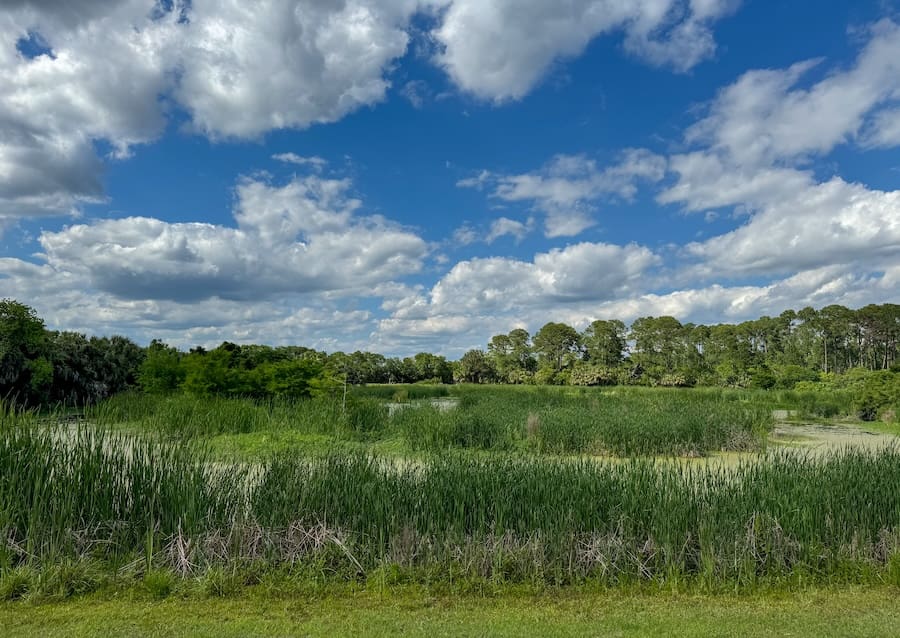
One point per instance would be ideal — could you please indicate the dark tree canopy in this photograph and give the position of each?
(38, 366)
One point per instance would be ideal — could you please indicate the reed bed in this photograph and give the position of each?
(660, 422)
(122, 500)
(536, 420)
(189, 417)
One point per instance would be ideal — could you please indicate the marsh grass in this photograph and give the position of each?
(657, 422)
(542, 420)
(129, 504)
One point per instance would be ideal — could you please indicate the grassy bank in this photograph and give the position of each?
(853, 612)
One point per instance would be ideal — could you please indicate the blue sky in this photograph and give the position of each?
(406, 175)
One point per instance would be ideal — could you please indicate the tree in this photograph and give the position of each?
(661, 345)
(475, 367)
(557, 344)
(120, 360)
(76, 369)
(161, 370)
(430, 367)
(23, 364)
(604, 342)
(296, 378)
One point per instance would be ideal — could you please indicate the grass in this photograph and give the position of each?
(414, 612)
(259, 446)
(534, 420)
(89, 495)
(226, 484)
(890, 427)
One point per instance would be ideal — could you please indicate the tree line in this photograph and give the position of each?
(41, 367)
(766, 352)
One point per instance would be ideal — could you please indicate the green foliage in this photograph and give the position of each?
(70, 499)
(557, 345)
(161, 370)
(391, 392)
(475, 367)
(22, 344)
(788, 376)
(568, 521)
(604, 343)
(365, 417)
(159, 583)
(16, 583)
(60, 492)
(880, 392)
(589, 374)
(229, 371)
(559, 421)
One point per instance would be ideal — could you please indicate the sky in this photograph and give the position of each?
(401, 176)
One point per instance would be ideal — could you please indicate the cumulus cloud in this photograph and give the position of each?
(99, 82)
(568, 187)
(416, 322)
(757, 139)
(67, 302)
(250, 68)
(719, 303)
(500, 50)
(765, 117)
(303, 237)
(113, 70)
(476, 288)
(829, 223)
(292, 270)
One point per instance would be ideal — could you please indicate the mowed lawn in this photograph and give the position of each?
(849, 612)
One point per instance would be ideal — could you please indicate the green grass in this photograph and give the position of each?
(890, 427)
(89, 495)
(590, 421)
(538, 420)
(259, 446)
(856, 612)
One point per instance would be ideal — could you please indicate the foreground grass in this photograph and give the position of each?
(854, 612)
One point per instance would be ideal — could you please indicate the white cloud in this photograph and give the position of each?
(759, 135)
(248, 68)
(291, 271)
(709, 180)
(418, 322)
(884, 129)
(101, 82)
(465, 235)
(115, 70)
(579, 272)
(852, 287)
(829, 223)
(317, 163)
(477, 182)
(66, 302)
(500, 50)
(505, 226)
(303, 237)
(567, 189)
(765, 117)
(114, 67)
(416, 92)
